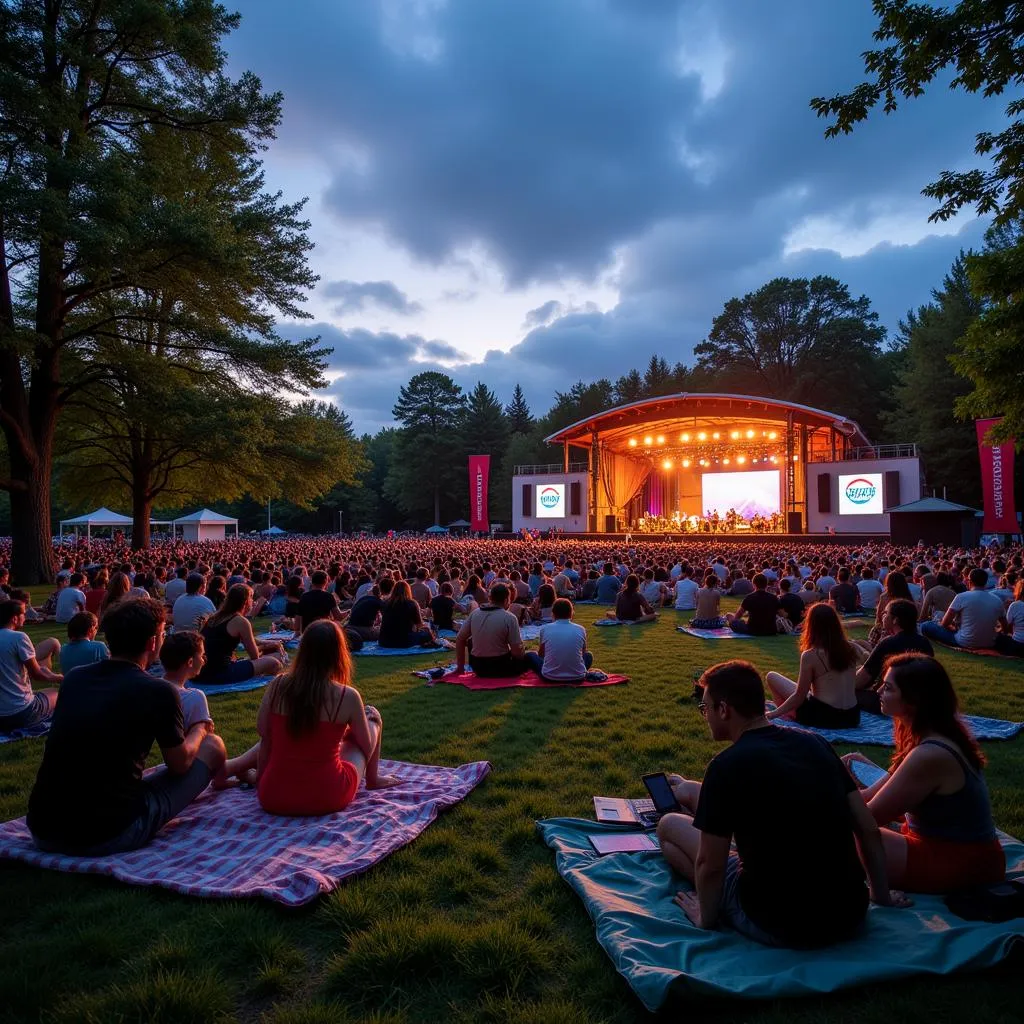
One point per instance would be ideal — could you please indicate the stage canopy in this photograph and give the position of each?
(103, 517)
(204, 525)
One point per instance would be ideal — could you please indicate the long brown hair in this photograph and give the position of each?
(322, 661)
(896, 586)
(823, 631)
(400, 592)
(233, 604)
(118, 586)
(925, 686)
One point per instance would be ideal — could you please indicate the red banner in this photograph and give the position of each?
(996, 482)
(479, 470)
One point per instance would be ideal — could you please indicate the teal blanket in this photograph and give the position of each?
(656, 949)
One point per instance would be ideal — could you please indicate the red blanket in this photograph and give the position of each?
(472, 682)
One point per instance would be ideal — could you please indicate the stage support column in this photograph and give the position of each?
(595, 469)
(790, 474)
(565, 456)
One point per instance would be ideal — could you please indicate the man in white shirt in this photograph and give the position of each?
(562, 656)
(70, 600)
(20, 663)
(972, 619)
(686, 591)
(193, 606)
(870, 589)
(175, 587)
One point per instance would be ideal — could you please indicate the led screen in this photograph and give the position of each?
(550, 501)
(751, 494)
(861, 495)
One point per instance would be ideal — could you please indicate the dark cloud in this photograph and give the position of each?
(357, 296)
(443, 351)
(543, 314)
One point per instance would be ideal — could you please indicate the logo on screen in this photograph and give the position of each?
(860, 491)
(549, 497)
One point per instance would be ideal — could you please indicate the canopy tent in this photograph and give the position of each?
(102, 518)
(436, 529)
(204, 525)
(459, 524)
(273, 531)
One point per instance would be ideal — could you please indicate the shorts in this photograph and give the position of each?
(941, 866)
(39, 709)
(818, 714)
(234, 672)
(732, 910)
(165, 796)
(503, 666)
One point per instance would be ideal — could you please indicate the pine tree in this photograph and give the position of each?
(517, 412)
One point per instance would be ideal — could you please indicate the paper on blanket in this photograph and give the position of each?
(655, 948)
(28, 733)
(722, 633)
(225, 845)
(624, 842)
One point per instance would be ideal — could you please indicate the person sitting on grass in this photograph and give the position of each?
(562, 656)
(900, 636)
(364, 617)
(183, 656)
(816, 819)
(316, 603)
(758, 611)
(82, 647)
(21, 664)
(89, 797)
(608, 586)
(972, 619)
(631, 605)
(825, 692)
(686, 590)
(790, 604)
(1011, 640)
(442, 608)
(317, 740)
(492, 639)
(224, 631)
(401, 621)
(540, 610)
(844, 596)
(70, 599)
(935, 786)
(707, 614)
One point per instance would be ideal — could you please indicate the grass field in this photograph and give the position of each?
(470, 923)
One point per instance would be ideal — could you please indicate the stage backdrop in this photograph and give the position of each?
(996, 481)
(479, 471)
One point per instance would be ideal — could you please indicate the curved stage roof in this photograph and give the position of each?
(695, 410)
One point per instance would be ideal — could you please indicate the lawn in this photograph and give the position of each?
(470, 923)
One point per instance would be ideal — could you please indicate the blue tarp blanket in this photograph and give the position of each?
(213, 690)
(877, 729)
(531, 632)
(373, 650)
(288, 638)
(622, 622)
(39, 729)
(658, 951)
(722, 633)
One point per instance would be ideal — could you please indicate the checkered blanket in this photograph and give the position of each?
(224, 844)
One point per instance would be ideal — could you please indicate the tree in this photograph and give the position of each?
(105, 109)
(657, 378)
(628, 388)
(427, 453)
(927, 387)
(805, 341)
(517, 412)
(484, 427)
(579, 402)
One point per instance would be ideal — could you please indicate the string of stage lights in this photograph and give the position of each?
(693, 448)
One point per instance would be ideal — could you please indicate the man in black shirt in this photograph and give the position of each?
(442, 608)
(792, 606)
(844, 596)
(90, 798)
(362, 619)
(798, 820)
(757, 611)
(316, 603)
(899, 624)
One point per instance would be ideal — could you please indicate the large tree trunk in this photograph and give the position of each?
(437, 505)
(32, 550)
(142, 510)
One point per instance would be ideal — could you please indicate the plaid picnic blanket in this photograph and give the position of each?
(225, 845)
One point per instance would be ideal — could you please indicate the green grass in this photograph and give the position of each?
(470, 923)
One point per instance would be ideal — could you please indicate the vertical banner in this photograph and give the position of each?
(479, 470)
(996, 481)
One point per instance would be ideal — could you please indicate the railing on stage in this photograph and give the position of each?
(868, 452)
(550, 468)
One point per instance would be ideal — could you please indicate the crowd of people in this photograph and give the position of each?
(180, 612)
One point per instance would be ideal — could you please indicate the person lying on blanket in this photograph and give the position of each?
(21, 664)
(492, 639)
(317, 740)
(804, 812)
(562, 656)
(631, 605)
(825, 692)
(899, 636)
(947, 839)
(90, 798)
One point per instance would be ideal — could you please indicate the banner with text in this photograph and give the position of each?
(479, 470)
(997, 481)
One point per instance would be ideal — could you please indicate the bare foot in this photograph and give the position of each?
(250, 777)
(223, 781)
(384, 782)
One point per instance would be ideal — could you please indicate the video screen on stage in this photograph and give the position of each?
(861, 495)
(755, 493)
(550, 501)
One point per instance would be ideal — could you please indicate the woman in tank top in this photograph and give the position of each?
(224, 631)
(825, 692)
(317, 740)
(947, 839)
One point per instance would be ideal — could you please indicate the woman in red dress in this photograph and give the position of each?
(318, 741)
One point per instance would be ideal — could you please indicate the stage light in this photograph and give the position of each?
(648, 440)
(703, 462)
(661, 439)
(632, 442)
(750, 434)
(667, 464)
(716, 435)
(774, 459)
(741, 459)
(702, 436)
(684, 438)
(686, 463)
(753, 462)
(725, 462)
(735, 435)
(796, 458)
(772, 435)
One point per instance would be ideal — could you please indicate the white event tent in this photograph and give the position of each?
(204, 525)
(103, 518)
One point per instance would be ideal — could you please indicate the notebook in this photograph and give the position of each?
(624, 842)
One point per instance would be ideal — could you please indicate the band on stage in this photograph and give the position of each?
(711, 522)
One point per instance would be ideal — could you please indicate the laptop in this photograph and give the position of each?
(644, 812)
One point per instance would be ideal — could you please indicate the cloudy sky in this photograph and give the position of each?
(544, 191)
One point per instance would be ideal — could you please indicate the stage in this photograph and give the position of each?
(712, 539)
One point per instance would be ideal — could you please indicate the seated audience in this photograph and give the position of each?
(562, 656)
(707, 614)
(540, 610)
(97, 591)
(70, 600)
(825, 692)
(491, 637)
(869, 588)
(82, 647)
(183, 656)
(844, 596)
(1011, 640)
(655, 592)
(935, 786)
(401, 621)
(224, 631)
(193, 608)
(21, 664)
(804, 810)
(442, 607)
(972, 619)
(791, 604)
(758, 611)
(608, 586)
(896, 589)
(631, 605)
(899, 635)
(317, 603)
(175, 587)
(686, 590)
(365, 613)
(90, 798)
(937, 598)
(317, 740)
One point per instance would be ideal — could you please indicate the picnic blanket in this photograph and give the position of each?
(981, 652)
(214, 690)
(622, 622)
(877, 729)
(225, 845)
(287, 637)
(372, 649)
(722, 633)
(658, 951)
(30, 732)
(527, 679)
